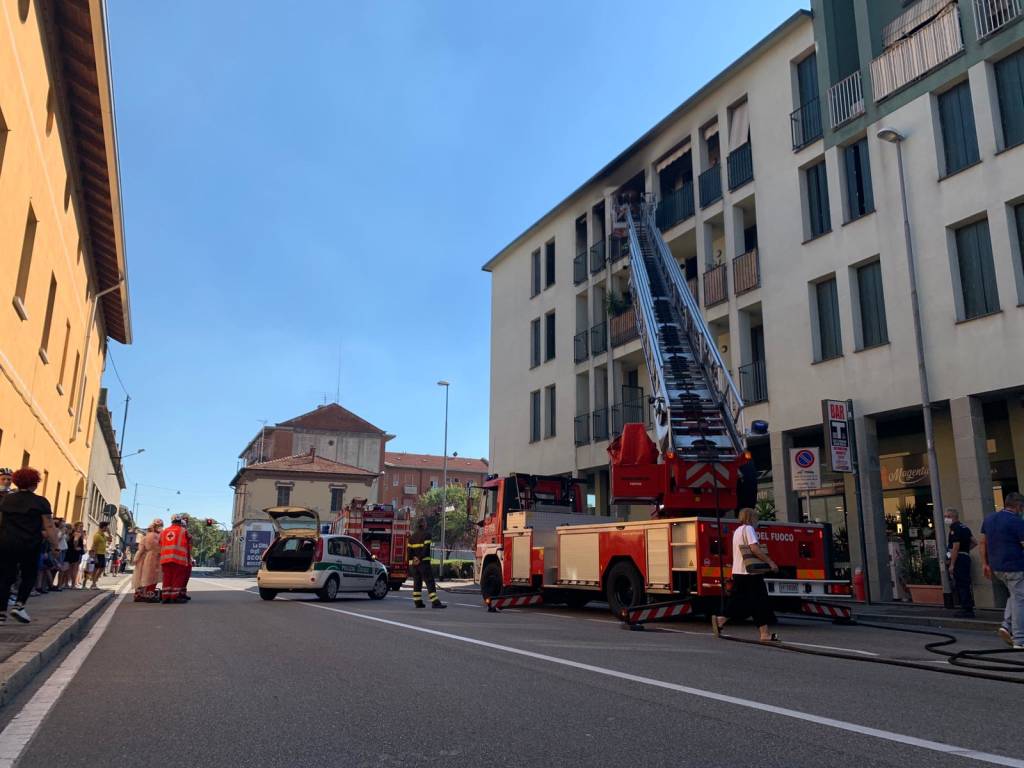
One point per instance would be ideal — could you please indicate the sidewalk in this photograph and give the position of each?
(58, 618)
(986, 620)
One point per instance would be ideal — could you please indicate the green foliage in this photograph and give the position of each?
(765, 509)
(919, 568)
(460, 532)
(206, 541)
(454, 569)
(616, 304)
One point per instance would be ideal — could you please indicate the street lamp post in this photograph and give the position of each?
(894, 137)
(444, 480)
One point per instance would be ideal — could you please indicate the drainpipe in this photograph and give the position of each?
(85, 355)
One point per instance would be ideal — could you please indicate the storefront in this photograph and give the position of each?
(828, 506)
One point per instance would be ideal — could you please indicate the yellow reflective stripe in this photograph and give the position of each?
(433, 595)
(417, 594)
(414, 546)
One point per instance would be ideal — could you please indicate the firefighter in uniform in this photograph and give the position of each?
(175, 552)
(419, 565)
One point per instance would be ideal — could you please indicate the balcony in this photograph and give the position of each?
(581, 426)
(710, 183)
(805, 124)
(597, 257)
(912, 57)
(692, 282)
(619, 247)
(675, 207)
(754, 382)
(623, 328)
(599, 339)
(716, 286)
(746, 272)
(600, 419)
(634, 409)
(845, 100)
(992, 15)
(741, 166)
(579, 268)
(579, 347)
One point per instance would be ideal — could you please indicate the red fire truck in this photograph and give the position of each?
(383, 529)
(536, 536)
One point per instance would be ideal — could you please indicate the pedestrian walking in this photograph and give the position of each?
(98, 554)
(961, 542)
(25, 520)
(750, 562)
(76, 550)
(1002, 558)
(420, 565)
(175, 556)
(147, 563)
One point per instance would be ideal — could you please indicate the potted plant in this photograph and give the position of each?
(617, 304)
(921, 575)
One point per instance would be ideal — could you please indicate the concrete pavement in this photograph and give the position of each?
(233, 680)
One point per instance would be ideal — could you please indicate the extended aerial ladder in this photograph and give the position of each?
(698, 412)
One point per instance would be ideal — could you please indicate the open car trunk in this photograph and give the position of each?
(294, 553)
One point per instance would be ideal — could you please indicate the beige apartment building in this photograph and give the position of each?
(62, 251)
(783, 207)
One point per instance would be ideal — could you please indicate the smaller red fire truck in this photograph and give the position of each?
(383, 529)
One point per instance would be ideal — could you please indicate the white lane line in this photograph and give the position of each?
(469, 605)
(19, 732)
(828, 722)
(832, 648)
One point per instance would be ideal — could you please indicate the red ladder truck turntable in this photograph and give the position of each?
(536, 536)
(384, 531)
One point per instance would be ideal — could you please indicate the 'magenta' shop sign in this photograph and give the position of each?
(905, 471)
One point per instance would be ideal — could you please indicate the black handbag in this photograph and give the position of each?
(752, 564)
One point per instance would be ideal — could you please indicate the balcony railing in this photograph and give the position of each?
(715, 286)
(619, 247)
(597, 257)
(710, 183)
(746, 272)
(623, 328)
(845, 100)
(579, 268)
(600, 418)
(599, 339)
(753, 382)
(675, 207)
(741, 166)
(805, 124)
(579, 347)
(914, 56)
(992, 15)
(582, 428)
(692, 282)
(634, 409)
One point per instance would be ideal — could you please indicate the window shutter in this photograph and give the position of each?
(872, 305)
(851, 167)
(807, 79)
(959, 139)
(865, 176)
(817, 203)
(828, 320)
(1010, 87)
(977, 272)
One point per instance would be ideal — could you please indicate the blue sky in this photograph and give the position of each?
(326, 184)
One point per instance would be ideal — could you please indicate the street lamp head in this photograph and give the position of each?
(442, 383)
(891, 135)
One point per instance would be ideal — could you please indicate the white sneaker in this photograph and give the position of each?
(19, 612)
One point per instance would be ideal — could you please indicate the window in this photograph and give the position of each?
(859, 198)
(25, 459)
(549, 411)
(549, 336)
(806, 122)
(284, 495)
(535, 416)
(1010, 88)
(88, 429)
(873, 328)
(956, 116)
(74, 382)
(977, 273)
(56, 500)
(535, 343)
(338, 498)
(818, 216)
(549, 264)
(64, 359)
(830, 340)
(27, 244)
(535, 273)
(48, 320)
(1019, 214)
(3, 139)
(337, 547)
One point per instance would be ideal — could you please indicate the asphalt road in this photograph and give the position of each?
(230, 680)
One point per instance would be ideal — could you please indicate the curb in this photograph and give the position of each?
(20, 669)
(978, 625)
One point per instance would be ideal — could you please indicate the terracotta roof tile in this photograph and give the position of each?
(430, 461)
(332, 417)
(307, 462)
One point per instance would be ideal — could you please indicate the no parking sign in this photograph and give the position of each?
(805, 469)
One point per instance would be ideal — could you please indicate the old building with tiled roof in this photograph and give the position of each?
(408, 475)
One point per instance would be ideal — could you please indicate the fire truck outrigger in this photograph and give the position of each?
(535, 536)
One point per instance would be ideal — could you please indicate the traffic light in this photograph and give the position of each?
(210, 521)
(222, 549)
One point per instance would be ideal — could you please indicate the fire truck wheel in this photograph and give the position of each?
(330, 590)
(396, 585)
(268, 594)
(490, 580)
(380, 589)
(624, 587)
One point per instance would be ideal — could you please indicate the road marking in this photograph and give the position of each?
(831, 648)
(842, 725)
(469, 605)
(19, 732)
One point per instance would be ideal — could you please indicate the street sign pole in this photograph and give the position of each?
(860, 502)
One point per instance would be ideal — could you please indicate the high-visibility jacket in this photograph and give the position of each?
(175, 546)
(419, 546)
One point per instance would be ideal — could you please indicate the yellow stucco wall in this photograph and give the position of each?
(36, 407)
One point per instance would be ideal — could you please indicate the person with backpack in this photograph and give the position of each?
(749, 597)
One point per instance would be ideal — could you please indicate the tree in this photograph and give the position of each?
(460, 532)
(206, 540)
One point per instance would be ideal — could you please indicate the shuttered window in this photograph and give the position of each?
(549, 422)
(959, 139)
(1019, 213)
(535, 416)
(549, 264)
(872, 306)
(859, 197)
(549, 336)
(1010, 87)
(535, 273)
(817, 200)
(828, 320)
(977, 273)
(535, 343)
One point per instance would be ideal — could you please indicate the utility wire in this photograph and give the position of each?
(110, 357)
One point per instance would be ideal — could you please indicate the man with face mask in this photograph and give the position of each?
(961, 542)
(5, 481)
